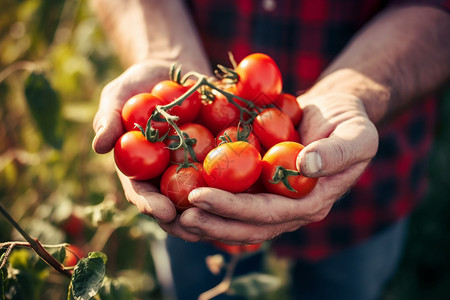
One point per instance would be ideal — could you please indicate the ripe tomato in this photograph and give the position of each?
(259, 79)
(288, 104)
(236, 249)
(285, 155)
(176, 185)
(73, 255)
(218, 114)
(232, 167)
(205, 142)
(139, 158)
(138, 109)
(273, 126)
(73, 226)
(232, 133)
(169, 90)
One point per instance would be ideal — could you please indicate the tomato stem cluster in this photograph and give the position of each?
(249, 93)
(205, 86)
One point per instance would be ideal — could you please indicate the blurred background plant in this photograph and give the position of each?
(60, 191)
(54, 61)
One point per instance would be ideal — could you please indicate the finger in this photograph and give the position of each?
(351, 142)
(108, 122)
(174, 228)
(108, 128)
(148, 199)
(258, 208)
(208, 226)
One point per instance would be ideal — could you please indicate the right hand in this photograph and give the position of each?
(108, 127)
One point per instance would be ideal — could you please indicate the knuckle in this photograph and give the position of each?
(318, 216)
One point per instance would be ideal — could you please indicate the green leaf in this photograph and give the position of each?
(60, 254)
(88, 276)
(114, 289)
(26, 273)
(45, 108)
(20, 259)
(254, 285)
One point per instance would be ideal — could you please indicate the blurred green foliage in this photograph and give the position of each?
(45, 187)
(54, 55)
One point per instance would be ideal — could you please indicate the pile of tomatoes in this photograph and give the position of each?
(236, 132)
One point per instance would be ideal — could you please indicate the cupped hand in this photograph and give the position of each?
(108, 128)
(340, 142)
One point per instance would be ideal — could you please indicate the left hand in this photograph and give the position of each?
(340, 142)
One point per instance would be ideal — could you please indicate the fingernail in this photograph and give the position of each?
(195, 193)
(97, 135)
(313, 163)
(194, 198)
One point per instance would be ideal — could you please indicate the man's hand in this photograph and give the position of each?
(139, 78)
(340, 142)
(108, 127)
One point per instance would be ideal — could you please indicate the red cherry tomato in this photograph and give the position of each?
(139, 158)
(169, 90)
(176, 185)
(73, 226)
(288, 104)
(232, 167)
(273, 126)
(232, 133)
(236, 249)
(218, 114)
(73, 255)
(138, 109)
(285, 155)
(205, 142)
(260, 79)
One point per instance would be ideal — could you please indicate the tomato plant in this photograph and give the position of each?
(235, 133)
(288, 104)
(236, 249)
(73, 226)
(280, 175)
(232, 167)
(169, 90)
(138, 109)
(259, 80)
(273, 126)
(138, 158)
(218, 114)
(73, 255)
(178, 181)
(204, 142)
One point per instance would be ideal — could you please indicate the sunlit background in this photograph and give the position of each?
(60, 191)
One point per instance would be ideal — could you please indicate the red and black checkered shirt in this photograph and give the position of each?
(303, 37)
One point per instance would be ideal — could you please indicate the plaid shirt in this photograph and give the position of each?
(303, 37)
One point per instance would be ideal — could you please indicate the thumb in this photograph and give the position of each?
(108, 128)
(350, 143)
(107, 123)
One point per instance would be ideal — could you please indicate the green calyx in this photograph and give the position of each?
(282, 174)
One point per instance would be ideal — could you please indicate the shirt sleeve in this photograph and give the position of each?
(442, 4)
